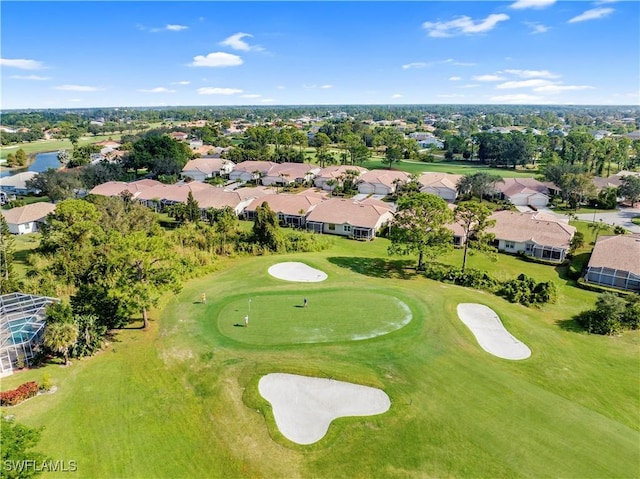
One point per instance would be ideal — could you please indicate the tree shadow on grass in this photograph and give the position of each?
(570, 325)
(377, 267)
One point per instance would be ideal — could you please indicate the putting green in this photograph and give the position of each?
(331, 315)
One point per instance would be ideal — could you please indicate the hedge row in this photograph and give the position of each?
(19, 394)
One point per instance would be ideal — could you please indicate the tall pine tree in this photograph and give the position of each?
(8, 281)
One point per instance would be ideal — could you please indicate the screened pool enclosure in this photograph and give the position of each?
(22, 319)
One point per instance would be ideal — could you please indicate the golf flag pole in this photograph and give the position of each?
(249, 305)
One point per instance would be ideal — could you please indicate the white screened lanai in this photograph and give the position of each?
(22, 320)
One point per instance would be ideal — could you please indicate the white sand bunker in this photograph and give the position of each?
(490, 333)
(303, 407)
(300, 272)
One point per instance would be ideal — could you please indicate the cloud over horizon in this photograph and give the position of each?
(593, 14)
(463, 25)
(216, 60)
(21, 63)
(235, 41)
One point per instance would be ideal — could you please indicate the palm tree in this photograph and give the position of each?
(60, 337)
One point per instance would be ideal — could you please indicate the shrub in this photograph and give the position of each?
(47, 384)
(525, 290)
(471, 278)
(21, 393)
(611, 315)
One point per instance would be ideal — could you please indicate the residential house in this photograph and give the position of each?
(289, 173)
(330, 177)
(179, 135)
(523, 192)
(199, 169)
(248, 171)
(355, 219)
(28, 218)
(534, 234)
(382, 182)
(443, 185)
(291, 209)
(219, 198)
(17, 184)
(615, 262)
(116, 188)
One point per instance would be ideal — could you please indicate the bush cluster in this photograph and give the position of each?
(527, 291)
(523, 290)
(611, 315)
(19, 394)
(471, 278)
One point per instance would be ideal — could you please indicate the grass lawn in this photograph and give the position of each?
(330, 316)
(181, 399)
(24, 244)
(453, 167)
(42, 146)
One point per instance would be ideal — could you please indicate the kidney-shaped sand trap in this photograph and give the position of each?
(300, 272)
(303, 407)
(490, 333)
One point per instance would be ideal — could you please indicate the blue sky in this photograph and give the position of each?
(109, 54)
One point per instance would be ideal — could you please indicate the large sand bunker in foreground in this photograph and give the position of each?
(490, 333)
(303, 407)
(299, 272)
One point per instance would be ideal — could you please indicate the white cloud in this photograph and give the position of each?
(29, 77)
(537, 27)
(488, 78)
(217, 59)
(396, 95)
(593, 14)
(469, 85)
(455, 78)
(314, 86)
(183, 82)
(463, 25)
(522, 4)
(21, 63)
(218, 91)
(408, 66)
(457, 63)
(235, 41)
(518, 98)
(557, 88)
(267, 100)
(531, 73)
(77, 88)
(533, 83)
(75, 99)
(250, 95)
(159, 89)
(281, 87)
(176, 28)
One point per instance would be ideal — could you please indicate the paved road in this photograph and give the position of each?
(621, 217)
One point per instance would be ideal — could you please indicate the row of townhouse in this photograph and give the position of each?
(615, 260)
(519, 191)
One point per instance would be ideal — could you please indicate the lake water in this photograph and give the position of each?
(42, 162)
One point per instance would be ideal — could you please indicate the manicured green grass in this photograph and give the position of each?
(42, 146)
(330, 316)
(23, 245)
(181, 399)
(453, 167)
